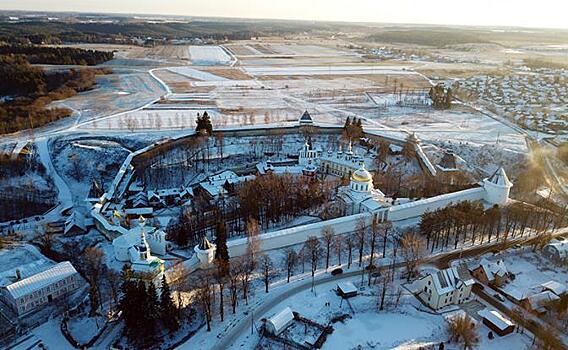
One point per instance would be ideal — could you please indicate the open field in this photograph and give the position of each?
(208, 55)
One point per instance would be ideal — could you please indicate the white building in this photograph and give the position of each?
(340, 163)
(497, 187)
(137, 247)
(445, 287)
(360, 196)
(27, 294)
(309, 154)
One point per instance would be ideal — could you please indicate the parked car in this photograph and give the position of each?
(336, 272)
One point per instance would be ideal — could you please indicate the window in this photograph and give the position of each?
(425, 289)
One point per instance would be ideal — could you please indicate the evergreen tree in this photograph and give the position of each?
(204, 124)
(347, 123)
(168, 313)
(360, 124)
(222, 252)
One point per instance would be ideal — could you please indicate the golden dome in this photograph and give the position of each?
(361, 175)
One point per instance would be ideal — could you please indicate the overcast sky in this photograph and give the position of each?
(526, 13)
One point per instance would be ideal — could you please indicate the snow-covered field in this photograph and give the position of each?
(208, 55)
(196, 74)
(329, 70)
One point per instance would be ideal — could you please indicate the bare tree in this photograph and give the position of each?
(327, 236)
(360, 233)
(386, 227)
(313, 250)
(290, 261)
(349, 243)
(413, 249)
(204, 296)
(462, 329)
(93, 265)
(221, 279)
(234, 278)
(384, 286)
(338, 246)
(267, 269)
(253, 243)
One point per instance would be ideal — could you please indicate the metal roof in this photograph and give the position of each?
(41, 280)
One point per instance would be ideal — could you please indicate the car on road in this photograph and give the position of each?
(336, 272)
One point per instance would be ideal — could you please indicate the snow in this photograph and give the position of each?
(328, 70)
(384, 330)
(196, 74)
(208, 55)
(64, 194)
(50, 335)
(531, 270)
(496, 318)
(40, 280)
(85, 328)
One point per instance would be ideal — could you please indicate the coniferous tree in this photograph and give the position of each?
(168, 313)
(222, 252)
(347, 123)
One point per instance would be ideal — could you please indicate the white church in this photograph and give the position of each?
(361, 196)
(137, 246)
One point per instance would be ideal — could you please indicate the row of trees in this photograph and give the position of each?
(231, 279)
(469, 221)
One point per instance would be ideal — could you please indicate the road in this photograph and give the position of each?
(63, 191)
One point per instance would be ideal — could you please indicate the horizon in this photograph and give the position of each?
(330, 11)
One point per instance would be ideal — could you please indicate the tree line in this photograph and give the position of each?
(31, 90)
(36, 54)
(470, 222)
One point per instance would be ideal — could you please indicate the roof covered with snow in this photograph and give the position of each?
(496, 318)
(555, 287)
(281, 320)
(40, 280)
(306, 118)
(346, 287)
(493, 269)
(450, 279)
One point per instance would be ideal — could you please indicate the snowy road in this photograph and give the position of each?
(63, 191)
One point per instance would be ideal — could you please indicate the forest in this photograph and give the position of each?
(28, 90)
(35, 54)
(123, 31)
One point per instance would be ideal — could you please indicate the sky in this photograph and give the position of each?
(522, 13)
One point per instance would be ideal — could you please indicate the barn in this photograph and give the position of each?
(497, 322)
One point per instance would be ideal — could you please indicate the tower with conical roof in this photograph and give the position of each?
(497, 187)
(205, 251)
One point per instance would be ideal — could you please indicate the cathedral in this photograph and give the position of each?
(360, 196)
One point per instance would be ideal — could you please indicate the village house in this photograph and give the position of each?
(445, 287)
(491, 273)
(539, 303)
